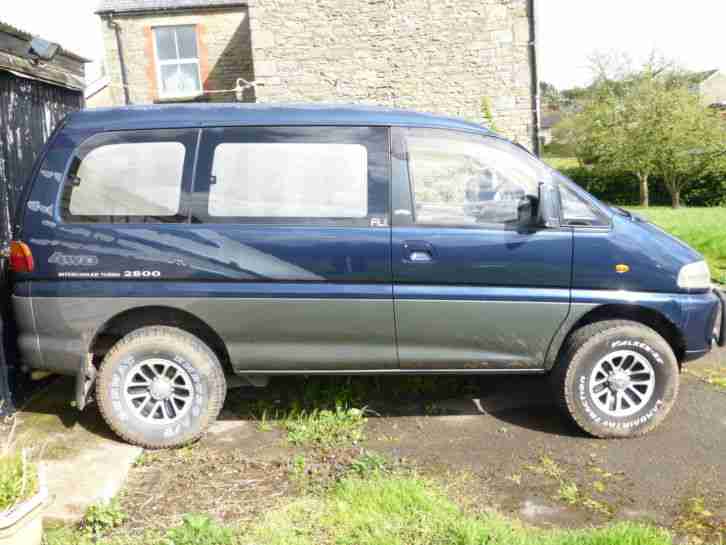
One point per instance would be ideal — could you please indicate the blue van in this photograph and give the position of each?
(162, 249)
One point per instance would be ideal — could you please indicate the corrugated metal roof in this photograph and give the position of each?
(129, 6)
(46, 72)
(23, 35)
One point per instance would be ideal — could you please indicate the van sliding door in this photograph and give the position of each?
(294, 224)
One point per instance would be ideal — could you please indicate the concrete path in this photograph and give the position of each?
(82, 460)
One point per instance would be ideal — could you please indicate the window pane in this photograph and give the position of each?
(297, 180)
(180, 79)
(189, 78)
(574, 208)
(187, 39)
(468, 180)
(165, 47)
(134, 179)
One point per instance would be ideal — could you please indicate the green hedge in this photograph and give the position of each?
(622, 189)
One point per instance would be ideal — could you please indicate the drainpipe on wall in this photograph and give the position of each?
(532, 15)
(124, 79)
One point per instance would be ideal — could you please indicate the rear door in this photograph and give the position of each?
(299, 220)
(472, 289)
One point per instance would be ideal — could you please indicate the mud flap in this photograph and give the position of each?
(85, 381)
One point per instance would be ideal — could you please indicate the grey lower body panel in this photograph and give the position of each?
(327, 336)
(449, 334)
(274, 334)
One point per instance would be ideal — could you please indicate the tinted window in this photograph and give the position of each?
(291, 175)
(300, 179)
(468, 180)
(128, 177)
(575, 210)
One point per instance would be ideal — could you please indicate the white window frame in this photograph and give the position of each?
(176, 62)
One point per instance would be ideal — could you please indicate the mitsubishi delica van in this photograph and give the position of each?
(161, 250)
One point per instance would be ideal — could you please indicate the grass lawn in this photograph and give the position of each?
(702, 228)
(371, 507)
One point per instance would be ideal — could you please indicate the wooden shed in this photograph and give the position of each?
(36, 90)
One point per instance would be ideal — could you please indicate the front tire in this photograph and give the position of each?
(616, 379)
(160, 387)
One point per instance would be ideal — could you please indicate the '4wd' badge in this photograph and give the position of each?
(73, 260)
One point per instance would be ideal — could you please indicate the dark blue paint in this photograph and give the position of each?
(225, 115)
(254, 261)
(482, 257)
(654, 257)
(692, 314)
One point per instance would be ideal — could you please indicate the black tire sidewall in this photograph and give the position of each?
(123, 418)
(661, 358)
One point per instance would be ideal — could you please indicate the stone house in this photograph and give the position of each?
(710, 86)
(440, 56)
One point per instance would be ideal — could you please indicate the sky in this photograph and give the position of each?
(691, 33)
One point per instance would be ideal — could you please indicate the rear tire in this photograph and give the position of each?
(616, 379)
(160, 387)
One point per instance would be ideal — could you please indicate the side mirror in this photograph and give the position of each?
(548, 211)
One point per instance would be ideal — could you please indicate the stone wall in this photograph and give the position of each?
(223, 43)
(439, 56)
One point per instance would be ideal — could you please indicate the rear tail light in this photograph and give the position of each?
(21, 258)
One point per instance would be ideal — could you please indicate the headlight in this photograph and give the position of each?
(695, 276)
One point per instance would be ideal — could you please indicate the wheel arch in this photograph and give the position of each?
(126, 321)
(615, 311)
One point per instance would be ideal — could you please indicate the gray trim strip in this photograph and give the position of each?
(396, 372)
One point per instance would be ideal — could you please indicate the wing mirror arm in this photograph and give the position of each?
(548, 209)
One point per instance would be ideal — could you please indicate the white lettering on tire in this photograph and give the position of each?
(637, 344)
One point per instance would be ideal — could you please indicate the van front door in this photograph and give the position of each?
(291, 226)
(474, 288)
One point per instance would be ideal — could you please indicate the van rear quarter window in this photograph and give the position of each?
(129, 177)
(293, 175)
(292, 179)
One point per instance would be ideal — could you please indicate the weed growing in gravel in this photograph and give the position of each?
(701, 523)
(714, 377)
(325, 428)
(199, 530)
(102, 517)
(568, 493)
(18, 479)
(369, 463)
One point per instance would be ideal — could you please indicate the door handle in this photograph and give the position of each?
(418, 256)
(415, 251)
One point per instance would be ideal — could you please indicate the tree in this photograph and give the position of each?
(550, 97)
(691, 143)
(644, 122)
(629, 142)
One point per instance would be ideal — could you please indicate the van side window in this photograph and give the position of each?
(129, 177)
(575, 210)
(293, 175)
(301, 180)
(462, 180)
